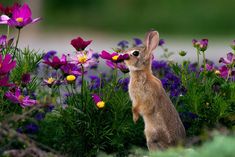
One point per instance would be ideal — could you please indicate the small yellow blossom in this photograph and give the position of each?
(70, 78)
(100, 104)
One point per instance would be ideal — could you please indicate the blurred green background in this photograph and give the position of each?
(176, 17)
(133, 16)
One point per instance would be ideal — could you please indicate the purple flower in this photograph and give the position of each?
(123, 44)
(230, 59)
(161, 42)
(114, 57)
(80, 44)
(25, 78)
(6, 64)
(39, 116)
(224, 71)
(95, 55)
(49, 55)
(21, 16)
(55, 62)
(95, 82)
(31, 128)
(18, 98)
(3, 41)
(195, 43)
(203, 44)
(71, 69)
(121, 66)
(137, 42)
(124, 83)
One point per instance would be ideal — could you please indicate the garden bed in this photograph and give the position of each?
(70, 106)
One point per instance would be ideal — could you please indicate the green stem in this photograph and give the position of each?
(17, 41)
(82, 92)
(198, 52)
(204, 60)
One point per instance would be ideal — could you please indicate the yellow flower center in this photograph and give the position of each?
(70, 78)
(19, 19)
(115, 57)
(50, 80)
(100, 104)
(82, 59)
(21, 98)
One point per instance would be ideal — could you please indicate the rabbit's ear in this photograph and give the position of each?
(151, 40)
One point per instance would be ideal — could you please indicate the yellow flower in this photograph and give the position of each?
(100, 104)
(70, 78)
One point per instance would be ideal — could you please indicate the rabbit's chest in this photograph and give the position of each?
(138, 91)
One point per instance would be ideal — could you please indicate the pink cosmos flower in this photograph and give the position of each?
(18, 98)
(114, 57)
(21, 16)
(121, 66)
(6, 64)
(80, 44)
(224, 71)
(4, 82)
(55, 62)
(84, 58)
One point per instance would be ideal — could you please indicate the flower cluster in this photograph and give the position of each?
(19, 16)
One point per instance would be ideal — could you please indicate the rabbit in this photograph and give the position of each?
(163, 126)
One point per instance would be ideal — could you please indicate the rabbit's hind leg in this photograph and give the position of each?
(156, 140)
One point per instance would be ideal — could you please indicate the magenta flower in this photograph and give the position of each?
(84, 58)
(114, 57)
(97, 100)
(230, 59)
(224, 71)
(80, 44)
(121, 66)
(18, 98)
(55, 62)
(21, 16)
(6, 64)
(4, 82)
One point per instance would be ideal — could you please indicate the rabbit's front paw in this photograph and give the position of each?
(135, 117)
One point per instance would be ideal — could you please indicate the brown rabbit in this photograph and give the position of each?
(163, 127)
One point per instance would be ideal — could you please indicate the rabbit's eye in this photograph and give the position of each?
(136, 53)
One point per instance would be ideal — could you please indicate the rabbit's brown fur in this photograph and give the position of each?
(163, 127)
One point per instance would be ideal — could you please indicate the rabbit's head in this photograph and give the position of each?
(140, 57)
